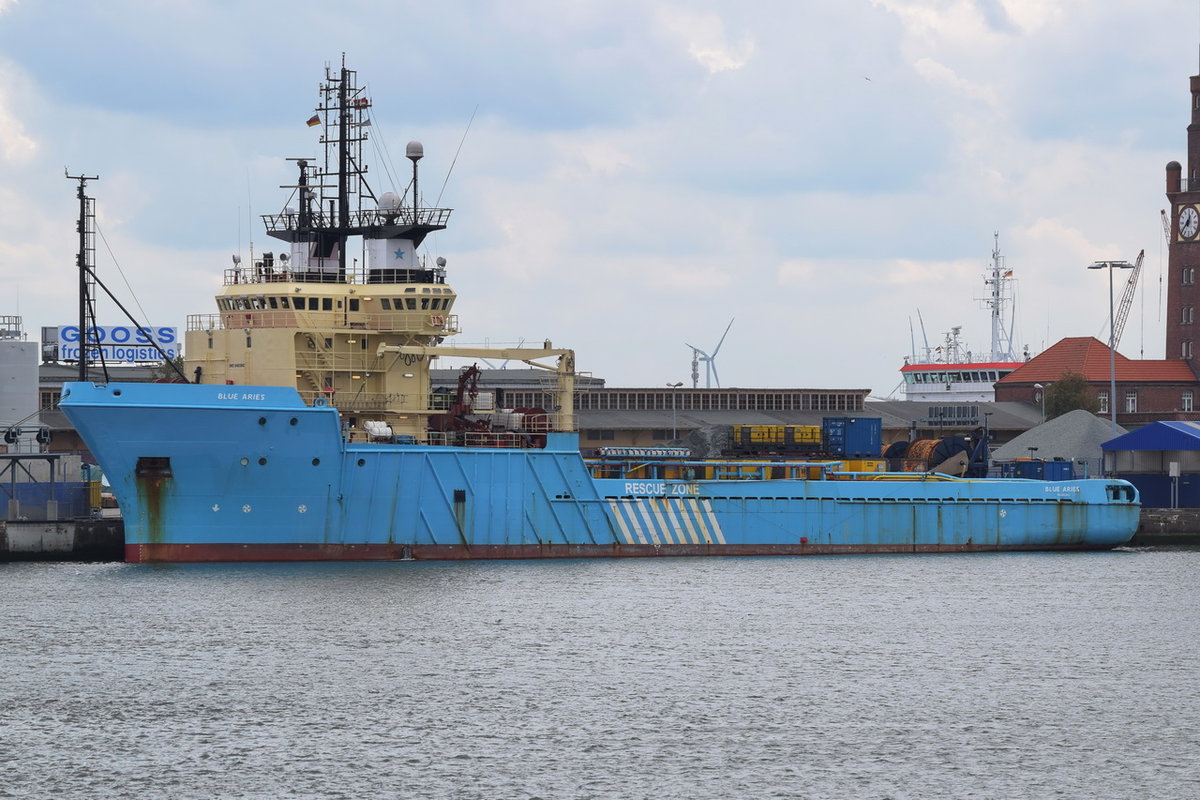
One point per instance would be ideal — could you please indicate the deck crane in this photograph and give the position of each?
(1127, 299)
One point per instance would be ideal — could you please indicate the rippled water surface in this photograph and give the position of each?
(992, 676)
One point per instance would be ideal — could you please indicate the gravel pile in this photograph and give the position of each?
(710, 442)
(1075, 436)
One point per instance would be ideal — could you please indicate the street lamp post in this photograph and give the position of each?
(1112, 345)
(1041, 390)
(674, 418)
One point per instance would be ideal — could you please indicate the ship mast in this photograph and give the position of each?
(85, 261)
(1000, 294)
(335, 201)
(343, 176)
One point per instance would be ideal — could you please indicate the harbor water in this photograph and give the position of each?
(992, 676)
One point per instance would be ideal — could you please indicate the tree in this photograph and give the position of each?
(1069, 392)
(164, 372)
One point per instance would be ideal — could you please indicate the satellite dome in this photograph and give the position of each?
(414, 151)
(389, 200)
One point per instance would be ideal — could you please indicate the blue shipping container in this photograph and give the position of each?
(853, 437)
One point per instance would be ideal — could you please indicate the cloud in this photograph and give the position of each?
(16, 146)
(675, 167)
(706, 40)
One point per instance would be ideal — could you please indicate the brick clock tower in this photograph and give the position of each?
(1183, 261)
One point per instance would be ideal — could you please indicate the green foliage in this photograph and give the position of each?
(1069, 392)
(163, 371)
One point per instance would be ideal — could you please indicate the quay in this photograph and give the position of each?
(93, 539)
(1168, 527)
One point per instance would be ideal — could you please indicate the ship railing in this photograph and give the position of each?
(356, 274)
(501, 439)
(380, 218)
(678, 469)
(358, 402)
(383, 405)
(399, 321)
(709, 469)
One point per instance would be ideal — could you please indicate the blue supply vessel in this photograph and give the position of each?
(205, 473)
(311, 431)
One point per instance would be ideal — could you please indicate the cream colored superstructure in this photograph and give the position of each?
(365, 348)
(354, 328)
(325, 339)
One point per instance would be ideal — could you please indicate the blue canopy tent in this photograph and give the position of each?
(1150, 456)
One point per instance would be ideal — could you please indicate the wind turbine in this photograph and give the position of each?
(710, 362)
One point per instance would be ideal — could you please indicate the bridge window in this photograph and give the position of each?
(386, 303)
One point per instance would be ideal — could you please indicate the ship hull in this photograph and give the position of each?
(247, 552)
(224, 473)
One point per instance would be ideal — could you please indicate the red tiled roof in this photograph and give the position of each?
(1088, 356)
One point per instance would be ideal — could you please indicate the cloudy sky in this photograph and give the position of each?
(637, 173)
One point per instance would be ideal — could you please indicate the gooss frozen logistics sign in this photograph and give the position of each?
(118, 342)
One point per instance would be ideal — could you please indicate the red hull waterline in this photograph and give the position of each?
(233, 552)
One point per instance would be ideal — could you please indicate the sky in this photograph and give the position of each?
(627, 176)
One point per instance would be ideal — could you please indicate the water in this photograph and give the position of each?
(1003, 676)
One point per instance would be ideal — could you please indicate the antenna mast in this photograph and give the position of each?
(1000, 293)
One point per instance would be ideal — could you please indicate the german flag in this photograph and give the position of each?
(315, 119)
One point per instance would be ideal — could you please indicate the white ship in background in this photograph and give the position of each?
(949, 372)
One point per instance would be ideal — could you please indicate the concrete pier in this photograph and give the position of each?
(1168, 526)
(69, 540)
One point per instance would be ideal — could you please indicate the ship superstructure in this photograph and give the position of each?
(355, 329)
(949, 371)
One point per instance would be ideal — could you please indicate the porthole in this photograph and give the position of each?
(292, 421)
(362, 462)
(262, 420)
(245, 462)
(316, 462)
(262, 462)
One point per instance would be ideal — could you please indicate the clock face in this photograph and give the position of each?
(1189, 222)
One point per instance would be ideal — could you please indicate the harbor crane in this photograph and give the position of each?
(1127, 299)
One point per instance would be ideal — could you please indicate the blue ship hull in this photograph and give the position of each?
(244, 473)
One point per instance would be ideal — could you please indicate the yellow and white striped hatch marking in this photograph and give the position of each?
(666, 520)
